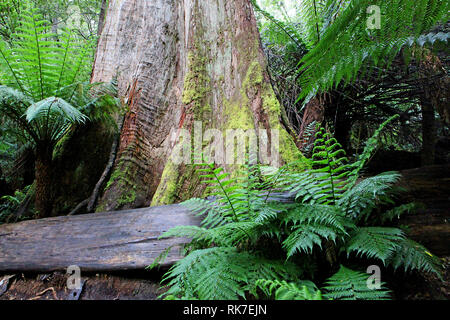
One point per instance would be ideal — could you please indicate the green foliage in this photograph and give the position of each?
(346, 47)
(36, 64)
(375, 242)
(347, 284)
(249, 242)
(10, 203)
(221, 273)
(46, 79)
(282, 290)
(411, 255)
(45, 89)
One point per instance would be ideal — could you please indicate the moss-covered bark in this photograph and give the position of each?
(205, 58)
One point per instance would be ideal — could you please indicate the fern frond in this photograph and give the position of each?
(347, 284)
(397, 212)
(220, 273)
(359, 49)
(282, 290)
(359, 201)
(411, 255)
(312, 224)
(375, 242)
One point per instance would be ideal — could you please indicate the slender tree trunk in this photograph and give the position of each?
(179, 62)
(43, 200)
(433, 99)
(312, 116)
(101, 18)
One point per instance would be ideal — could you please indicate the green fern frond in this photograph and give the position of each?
(347, 284)
(220, 273)
(310, 225)
(375, 242)
(411, 255)
(371, 146)
(282, 290)
(360, 49)
(360, 201)
(397, 212)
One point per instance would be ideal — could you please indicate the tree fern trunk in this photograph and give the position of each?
(432, 99)
(177, 62)
(43, 201)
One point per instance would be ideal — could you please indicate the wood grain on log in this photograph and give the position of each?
(124, 240)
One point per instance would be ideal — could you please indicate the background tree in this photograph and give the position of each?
(351, 74)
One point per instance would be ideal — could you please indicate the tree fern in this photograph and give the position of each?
(37, 65)
(358, 49)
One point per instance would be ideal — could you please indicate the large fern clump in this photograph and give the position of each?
(251, 244)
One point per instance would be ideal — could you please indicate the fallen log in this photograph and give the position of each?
(125, 240)
(128, 240)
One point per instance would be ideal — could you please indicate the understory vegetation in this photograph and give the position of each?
(252, 245)
(358, 88)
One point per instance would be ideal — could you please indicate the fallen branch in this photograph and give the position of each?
(40, 294)
(80, 206)
(112, 158)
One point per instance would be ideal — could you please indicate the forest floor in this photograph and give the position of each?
(94, 287)
(120, 287)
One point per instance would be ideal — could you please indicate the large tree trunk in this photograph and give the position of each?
(43, 200)
(178, 62)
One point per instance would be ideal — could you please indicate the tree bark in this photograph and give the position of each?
(312, 116)
(178, 62)
(101, 18)
(43, 200)
(429, 134)
(433, 99)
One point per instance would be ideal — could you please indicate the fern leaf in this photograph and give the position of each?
(347, 284)
(375, 242)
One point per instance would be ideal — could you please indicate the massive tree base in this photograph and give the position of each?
(180, 62)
